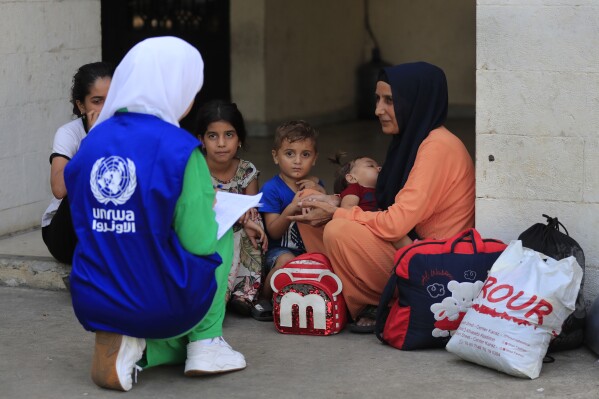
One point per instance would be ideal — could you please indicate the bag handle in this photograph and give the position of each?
(475, 239)
(555, 224)
(381, 311)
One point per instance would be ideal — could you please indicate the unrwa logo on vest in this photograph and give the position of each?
(113, 180)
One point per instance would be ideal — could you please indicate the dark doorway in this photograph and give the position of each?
(203, 23)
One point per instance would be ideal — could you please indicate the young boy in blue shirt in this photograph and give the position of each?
(295, 152)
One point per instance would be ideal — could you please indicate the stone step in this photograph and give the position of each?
(32, 272)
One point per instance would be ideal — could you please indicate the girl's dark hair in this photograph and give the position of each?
(220, 110)
(84, 79)
(340, 182)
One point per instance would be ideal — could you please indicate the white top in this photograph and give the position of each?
(66, 143)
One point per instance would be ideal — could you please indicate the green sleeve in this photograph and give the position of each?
(194, 220)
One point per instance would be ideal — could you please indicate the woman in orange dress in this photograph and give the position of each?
(424, 190)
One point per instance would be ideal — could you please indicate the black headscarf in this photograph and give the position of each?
(419, 93)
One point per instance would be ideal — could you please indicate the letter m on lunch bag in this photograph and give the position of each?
(307, 297)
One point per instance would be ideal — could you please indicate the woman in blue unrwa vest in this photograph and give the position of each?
(149, 274)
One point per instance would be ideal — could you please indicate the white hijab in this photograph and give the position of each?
(159, 76)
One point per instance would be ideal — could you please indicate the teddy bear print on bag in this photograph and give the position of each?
(451, 310)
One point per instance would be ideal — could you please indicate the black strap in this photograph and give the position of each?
(381, 311)
(548, 359)
(55, 154)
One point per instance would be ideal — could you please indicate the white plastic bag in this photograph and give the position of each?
(522, 304)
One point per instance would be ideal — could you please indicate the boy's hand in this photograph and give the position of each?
(296, 203)
(278, 223)
(310, 182)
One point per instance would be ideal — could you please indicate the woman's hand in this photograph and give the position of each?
(256, 235)
(320, 209)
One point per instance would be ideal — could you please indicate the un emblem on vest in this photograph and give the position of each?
(113, 180)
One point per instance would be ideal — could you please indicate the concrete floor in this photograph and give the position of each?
(44, 353)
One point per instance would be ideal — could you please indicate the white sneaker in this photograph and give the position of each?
(211, 356)
(115, 358)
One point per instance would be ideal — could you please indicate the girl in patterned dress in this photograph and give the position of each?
(222, 132)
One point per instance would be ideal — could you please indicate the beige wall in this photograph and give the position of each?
(248, 79)
(42, 43)
(295, 59)
(441, 32)
(314, 49)
(537, 114)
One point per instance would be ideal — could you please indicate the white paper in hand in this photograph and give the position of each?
(230, 207)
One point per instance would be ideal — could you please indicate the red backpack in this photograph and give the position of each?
(307, 297)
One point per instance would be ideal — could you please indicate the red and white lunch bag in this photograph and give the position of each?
(307, 297)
